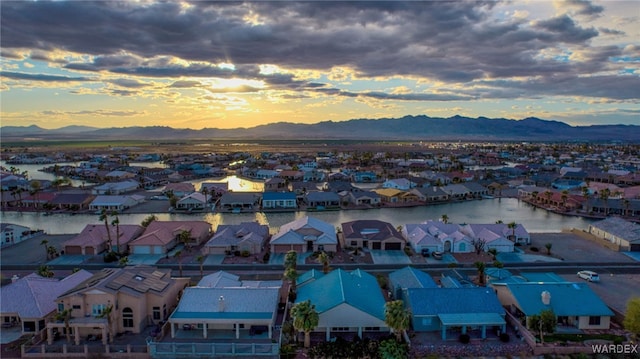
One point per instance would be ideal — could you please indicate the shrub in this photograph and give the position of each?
(245, 253)
(464, 338)
(534, 249)
(504, 337)
(617, 340)
(110, 257)
(236, 253)
(266, 257)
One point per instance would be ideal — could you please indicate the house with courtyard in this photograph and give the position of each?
(116, 188)
(30, 302)
(111, 203)
(347, 302)
(118, 300)
(307, 234)
(246, 236)
(371, 234)
(239, 201)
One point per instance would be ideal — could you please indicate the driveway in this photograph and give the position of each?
(389, 257)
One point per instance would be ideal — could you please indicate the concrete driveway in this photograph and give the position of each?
(389, 257)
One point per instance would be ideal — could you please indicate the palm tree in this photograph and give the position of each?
(290, 269)
(52, 252)
(205, 192)
(65, 316)
(124, 261)
(45, 244)
(480, 266)
(106, 313)
(564, 196)
(324, 259)
(534, 196)
(548, 247)
(548, 195)
(147, 221)
(45, 271)
(178, 255)
(513, 225)
(35, 188)
(396, 317)
(291, 259)
(444, 218)
(305, 318)
(200, 260)
(291, 274)
(493, 252)
(116, 222)
(185, 237)
(104, 216)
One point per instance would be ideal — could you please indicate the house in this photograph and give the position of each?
(322, 200)
(345, 302)
(246, 236)
(117, 300)
(162, 236)
(114, 203)
(457, 191)
(195, 200)
(443, 309)
(94, 239)
(408, 277)
(279, 201)
(214, 189)
(72, 201)
(238, 312)
(389, 195)
(430, 194)
(437, 236)
(371, 234)
(618, 231)
(239, 201)
(275, 184)
(222, 279)
(494, 236)
(116, 188)
(266, 174)
(13, 233)
(364, 198)
(31, 301)
(306, 234)
(402, 184)
(475, 189)
(364, 177)
(524, 300)
(179, 189)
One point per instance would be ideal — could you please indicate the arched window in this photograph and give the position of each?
(462, 247)
(127, 317)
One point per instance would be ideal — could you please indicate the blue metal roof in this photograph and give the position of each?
(436, 301)
(567, 299)
(547, 277)
(359, 289)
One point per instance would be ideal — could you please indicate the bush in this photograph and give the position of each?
(464, 338)
(245, 253)
(534, 249)
(266, 257)
(110, 257)
(236, 253)
(504, 337)
(617, 340)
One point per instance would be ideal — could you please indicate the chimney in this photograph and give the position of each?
(14, 278)
(546, 297)
(221, 304)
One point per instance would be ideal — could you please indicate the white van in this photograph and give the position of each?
(591, 276)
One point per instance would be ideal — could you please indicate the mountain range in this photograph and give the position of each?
(422, 128)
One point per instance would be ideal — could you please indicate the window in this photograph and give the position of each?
(97, 309)
(241, 326)
(594, 320)
(354, 243)
(127, 318)
(75, 306)
(340, 329)
(60, 307)
(156, 313)
(371, 329)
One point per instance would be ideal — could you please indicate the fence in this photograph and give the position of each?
(189, 350)
(83, 351)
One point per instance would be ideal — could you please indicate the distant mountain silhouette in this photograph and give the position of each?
(421, 128)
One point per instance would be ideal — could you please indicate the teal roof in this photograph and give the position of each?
(567, 299)
(358, 289)
(547, 277)
(438, 301)
(309, 276)
(409, 277)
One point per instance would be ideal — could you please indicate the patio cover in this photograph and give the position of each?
(471, 319)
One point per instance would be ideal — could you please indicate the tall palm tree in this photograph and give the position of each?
(65, 316)
(290, 268)
(106, 313)
(116, 222)
(305, 318)
(480, 266)
(200, 260)
(205, 192)
(45, 244)
(185, 238)
(513, 225)
(35, 188)
(396, 317)
(444, 218)
(291, 274)
(178, 255)
(104, 216)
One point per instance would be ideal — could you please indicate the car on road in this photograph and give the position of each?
(437, 255)
(591, 276)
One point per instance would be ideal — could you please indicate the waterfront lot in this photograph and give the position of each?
(572, 248)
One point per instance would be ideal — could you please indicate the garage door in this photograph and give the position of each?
(393, 246)
(634, 247)
(377, 245)
(73, 250)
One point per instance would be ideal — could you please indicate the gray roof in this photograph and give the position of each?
(409, 277)
(619, 227)
(242, 302)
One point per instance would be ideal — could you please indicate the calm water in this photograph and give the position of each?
(484, 211)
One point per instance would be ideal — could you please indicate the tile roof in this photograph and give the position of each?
(96, 234)
(235, 234)
(303, 229)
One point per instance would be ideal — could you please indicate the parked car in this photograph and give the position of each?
(437, 255)
(591, 276)
(425, 252)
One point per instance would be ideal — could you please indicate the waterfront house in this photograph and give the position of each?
(402, 184)
(457, 191)
(390, 195)
(246, 236)
(283, 201)
(275, 184)
(364, 177)
(179, 189)
(625, 234)
(114, 203)
(306, 234)
(266, 174)
(364, 198)
(117, 300)
(322, 200)
(94, 239)
(13, 233)
(371, 234)
(437, 236)
(30, 301)
(214, 189)
(350, 302)
(430, 194)
(239, 201)
(408, 277)
(443, 309)
(162, 236)
(116, 188)
(574, 304)
(192, 201)
(493, 232)
(72, 201)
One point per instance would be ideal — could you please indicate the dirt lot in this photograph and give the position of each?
(572, 248)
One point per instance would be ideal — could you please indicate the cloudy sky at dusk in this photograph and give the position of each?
(232, 64)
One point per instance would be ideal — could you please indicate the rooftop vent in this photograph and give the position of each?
(546, 297)
(221, 304)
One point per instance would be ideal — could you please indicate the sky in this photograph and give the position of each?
(228, 64)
